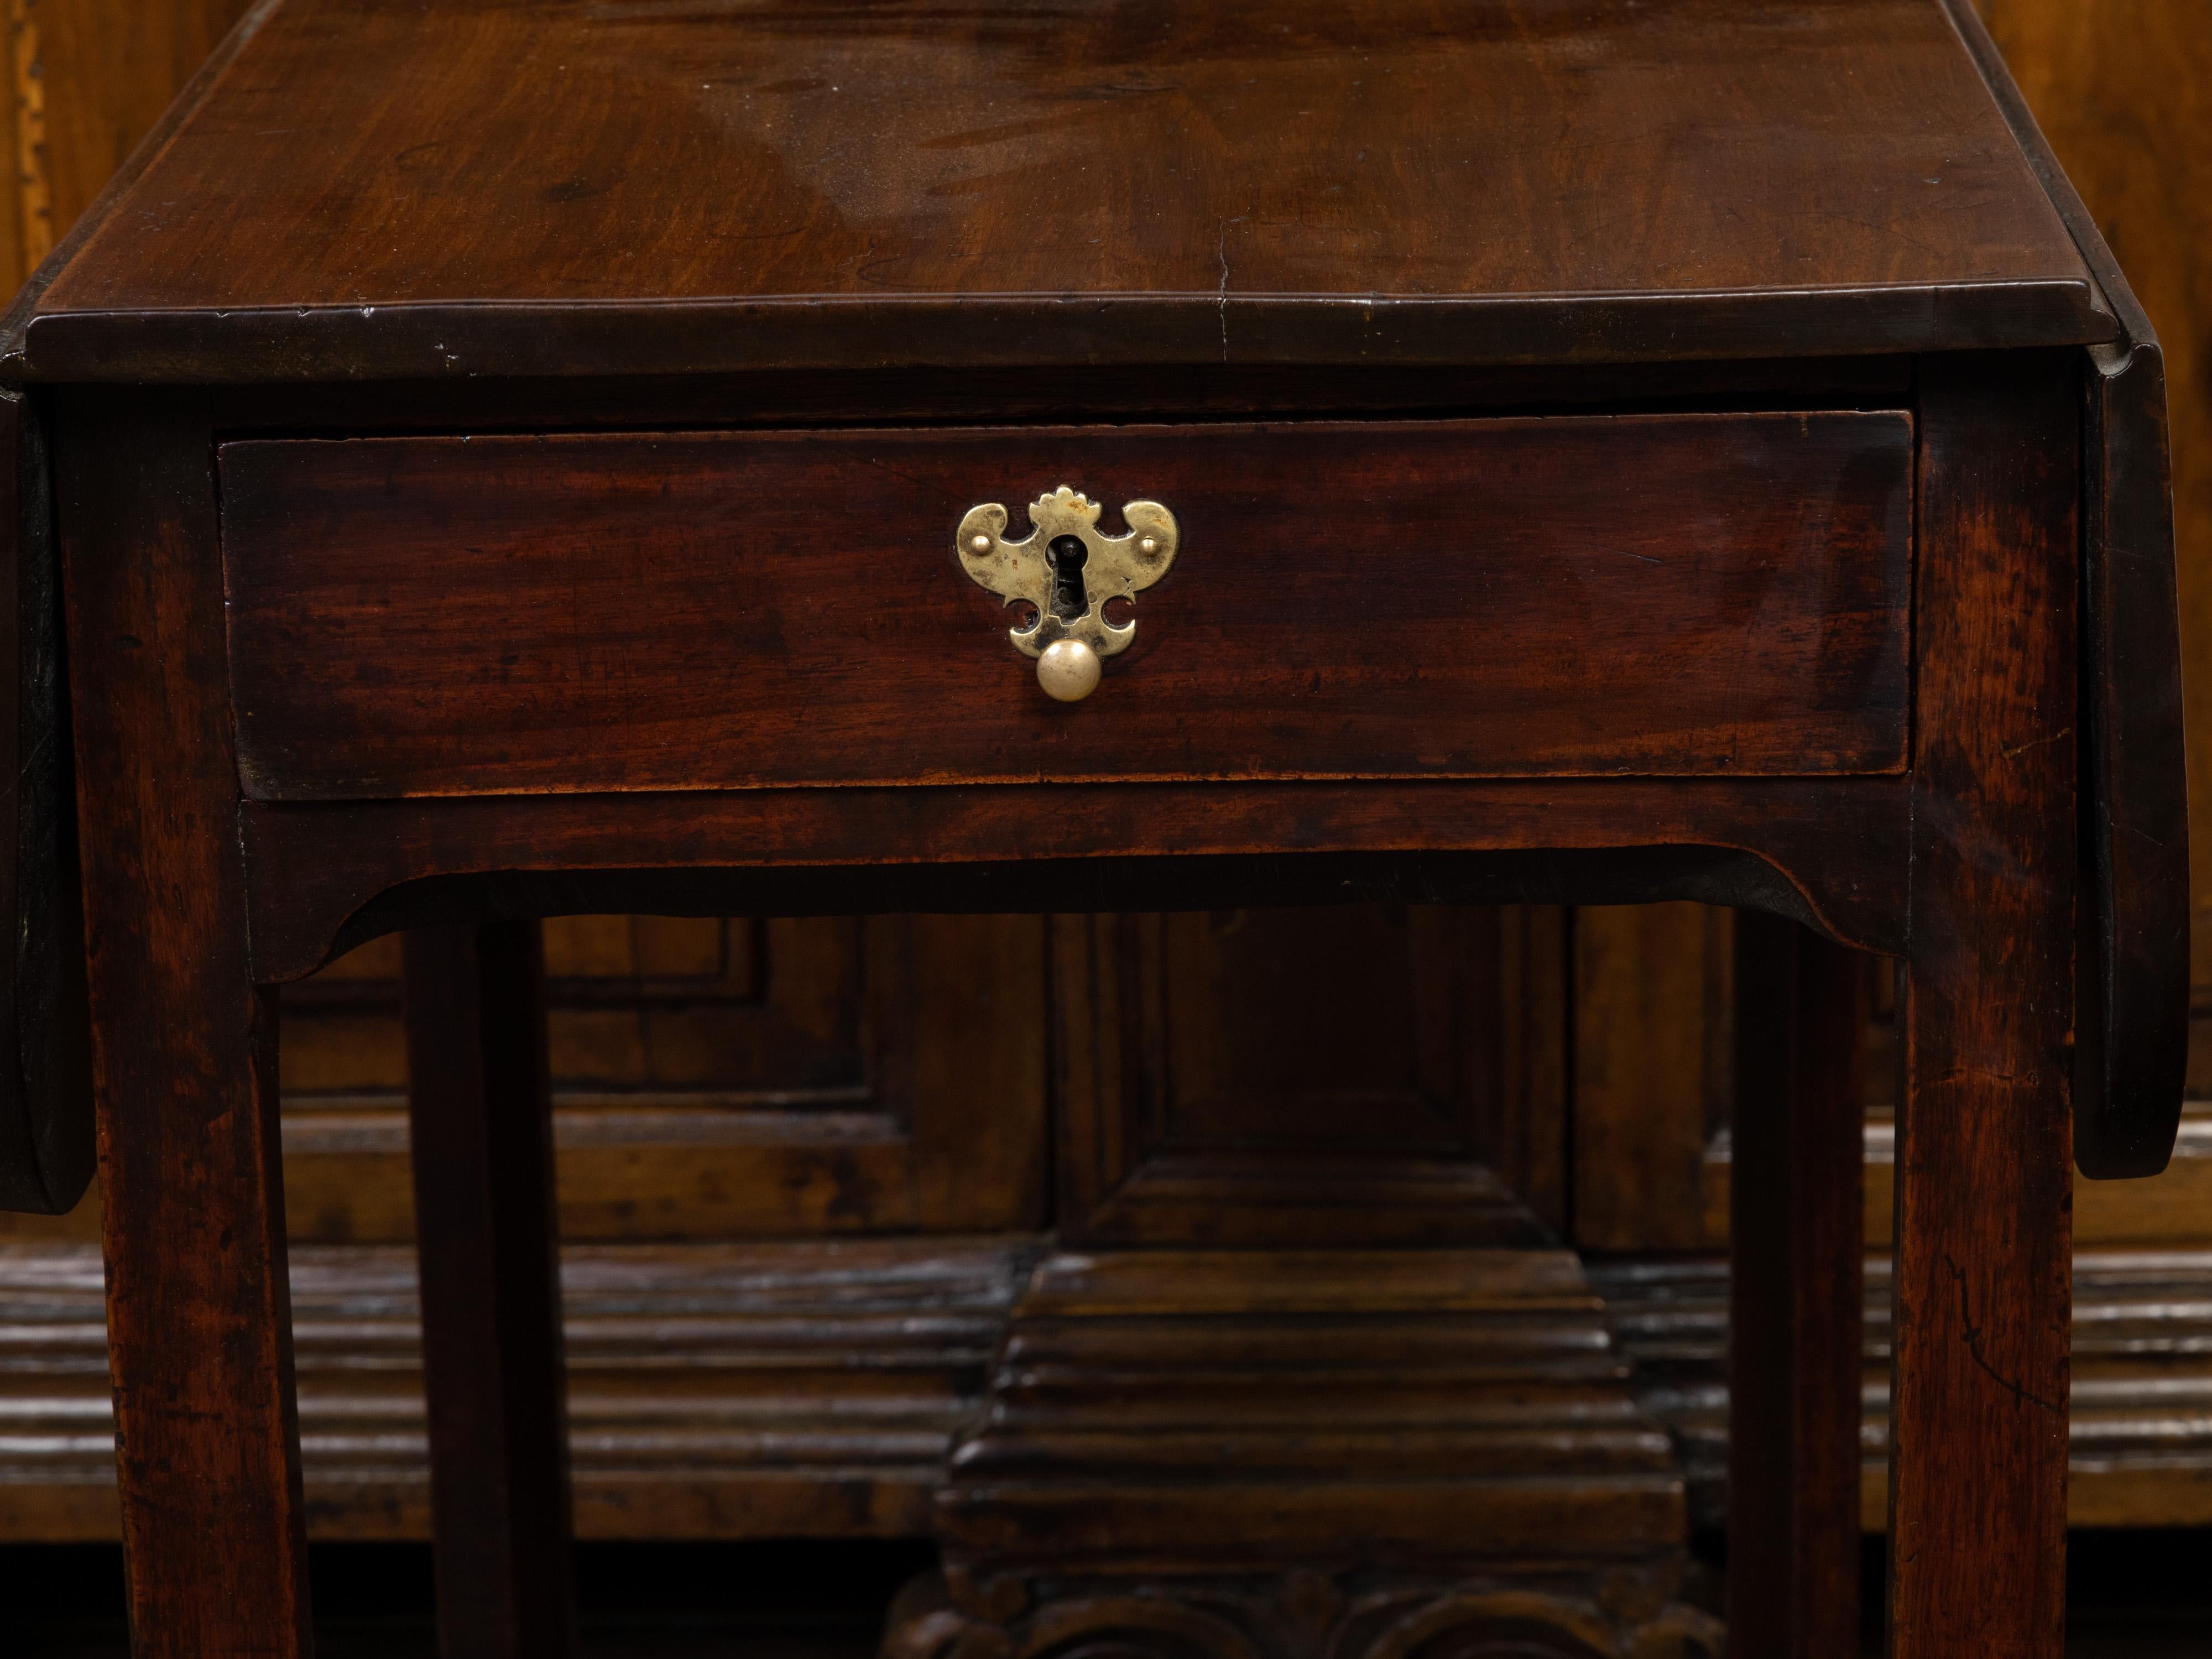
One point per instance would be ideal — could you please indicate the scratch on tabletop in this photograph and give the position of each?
(1221, 293)
(2015, 750)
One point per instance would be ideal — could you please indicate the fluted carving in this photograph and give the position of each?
(1301, 1614)
(1308, 1454)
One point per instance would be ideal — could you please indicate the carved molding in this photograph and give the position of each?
(715, 1391)
(1363, 1078)
(2140, 1421)
(817, 1388)
(1307, 1614)
(1311, 1454)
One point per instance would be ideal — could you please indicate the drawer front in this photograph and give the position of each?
(1679, 594)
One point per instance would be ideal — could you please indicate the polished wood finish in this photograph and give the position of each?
(1957, 852)
(46, 1088)
(2124, 92)
(757, 400)
(2133, 1009)
(1978, 1493)
(480, 1119)
(329, 878)
(1793, 1342)
(89, 78)
(2134, 1006)
(759, 222)
(450, 617)
(184, 1054)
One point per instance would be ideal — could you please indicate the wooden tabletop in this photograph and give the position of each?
(539, 186)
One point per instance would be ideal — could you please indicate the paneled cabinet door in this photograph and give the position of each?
(717, 1078)
(1366, 1076)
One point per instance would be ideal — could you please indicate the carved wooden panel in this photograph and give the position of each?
(1298, 1453)
(717, 1078)
(1361, 1076)
(2141, 1429)
(715, 1391)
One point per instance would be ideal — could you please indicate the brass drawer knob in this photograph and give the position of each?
(1068, 671)
(1066, 571)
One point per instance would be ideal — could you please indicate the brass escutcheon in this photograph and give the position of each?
(1068, 571)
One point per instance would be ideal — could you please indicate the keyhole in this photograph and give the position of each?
(1066, 554)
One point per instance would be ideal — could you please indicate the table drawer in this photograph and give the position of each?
(1676, 594)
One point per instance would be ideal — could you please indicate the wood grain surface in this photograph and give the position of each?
(1224, 311)
(2123, 89)
(819, 1383)
(184, 1055)
(106, 70)
(807, 1387)
(91, 78)
(1829, 851)
(1794, 1359)
(2141, 1370)
(1691, 594)
(1246, 1078)
(2132, 1015)
(1350, 1451)
(1650, 1070)
(1407, 1399)
(1978, 1493)
(480, 1116)
(638, 189)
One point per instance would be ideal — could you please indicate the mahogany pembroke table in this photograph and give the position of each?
(515, 457)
